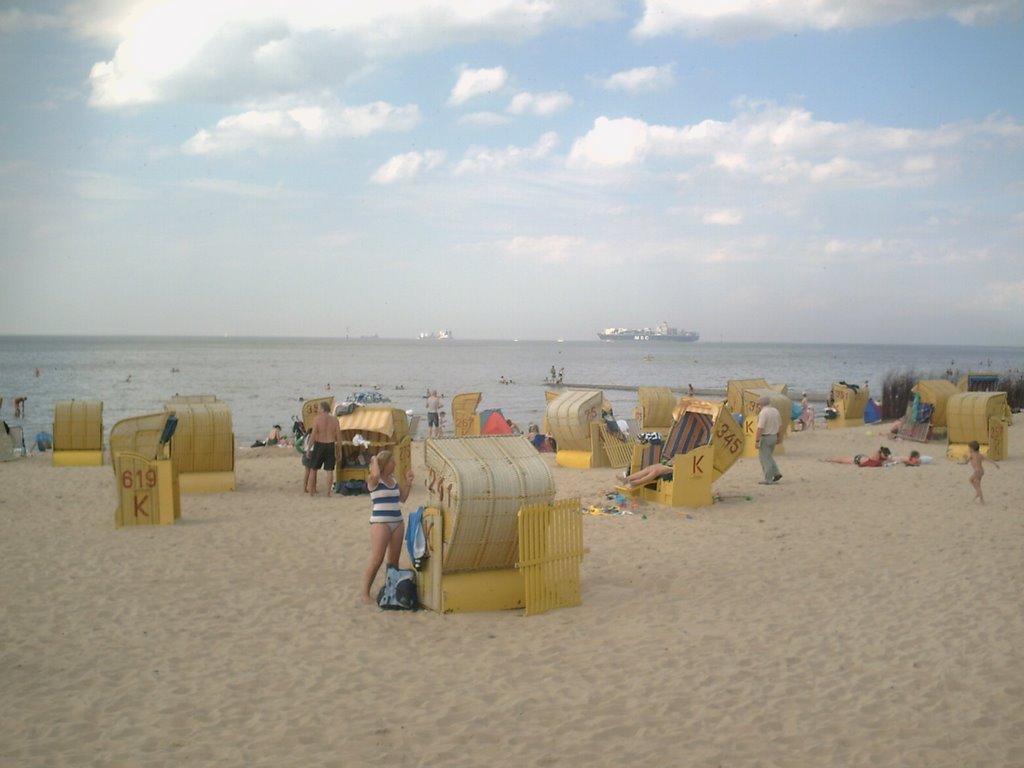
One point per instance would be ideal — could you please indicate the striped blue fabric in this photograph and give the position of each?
(690, 430)
(387, 503)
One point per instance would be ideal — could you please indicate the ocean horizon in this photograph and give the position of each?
(265, 378)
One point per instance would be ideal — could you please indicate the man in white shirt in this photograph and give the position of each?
(769, 424)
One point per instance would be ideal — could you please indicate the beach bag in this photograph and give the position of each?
(350, 487)
(415, 540)
(399, 590)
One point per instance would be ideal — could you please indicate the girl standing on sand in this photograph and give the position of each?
(976, 459)
(387, 527)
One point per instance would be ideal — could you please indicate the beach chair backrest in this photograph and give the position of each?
(689, 431)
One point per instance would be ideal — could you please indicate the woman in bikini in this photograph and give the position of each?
(879, 458)
(387, 527)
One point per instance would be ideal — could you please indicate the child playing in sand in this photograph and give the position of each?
(976, 459)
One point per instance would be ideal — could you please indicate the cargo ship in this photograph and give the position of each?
(660, 333)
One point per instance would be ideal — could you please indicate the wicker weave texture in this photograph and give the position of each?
(968, 414)
(569, 416)
(735, 388)
(656, 407)
(203, 440)
(138, 434)
(464, 414)
(78, 425)
(480, 483)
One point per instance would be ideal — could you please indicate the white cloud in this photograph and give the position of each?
(611, 143)
(550, 249)
(477, 82)
(259, 128)
(226, 51)
(482, 159)
(754, 18)
(541, 104)
(483, 119)
(781, 145)
(407, 166)
(728, 217)
(640, 79)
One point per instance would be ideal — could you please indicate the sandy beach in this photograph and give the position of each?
(845, 617)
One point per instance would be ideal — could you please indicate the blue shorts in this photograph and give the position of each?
(433, 420)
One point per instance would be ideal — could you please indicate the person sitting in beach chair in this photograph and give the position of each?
(649, 473)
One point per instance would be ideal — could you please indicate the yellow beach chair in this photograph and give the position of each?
(981, 417)
(203, 446)
(496, 537)
(367, 431)
(704, 442)
(78, 433)
(144, 472)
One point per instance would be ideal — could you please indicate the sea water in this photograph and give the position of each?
(265, 380)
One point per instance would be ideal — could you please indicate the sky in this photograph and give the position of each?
(755, 170)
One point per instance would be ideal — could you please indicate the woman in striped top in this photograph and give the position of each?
(387, 528)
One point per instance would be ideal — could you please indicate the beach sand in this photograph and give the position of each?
(845, 617)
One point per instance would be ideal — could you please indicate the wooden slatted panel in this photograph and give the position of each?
(147, 491)
(618, 451)
(550, 552)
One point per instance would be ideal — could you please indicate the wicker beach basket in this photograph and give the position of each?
(569, 416)
(480, 483)
(969, 414)
(657, 405)
(735, 389)
(78, 425)
(204, 440)
(464, 414)
(139, 434)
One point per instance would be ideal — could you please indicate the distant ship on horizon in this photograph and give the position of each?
(438, 335)
(662, 332)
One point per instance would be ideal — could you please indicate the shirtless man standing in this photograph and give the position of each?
(325, 435)
(434, 415)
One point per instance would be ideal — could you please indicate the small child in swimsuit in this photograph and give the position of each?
(976, 459)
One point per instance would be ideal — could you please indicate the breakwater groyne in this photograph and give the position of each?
(713, 393)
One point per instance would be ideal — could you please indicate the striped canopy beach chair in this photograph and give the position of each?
(704, 442)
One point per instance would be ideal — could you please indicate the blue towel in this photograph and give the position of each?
(415, 540)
